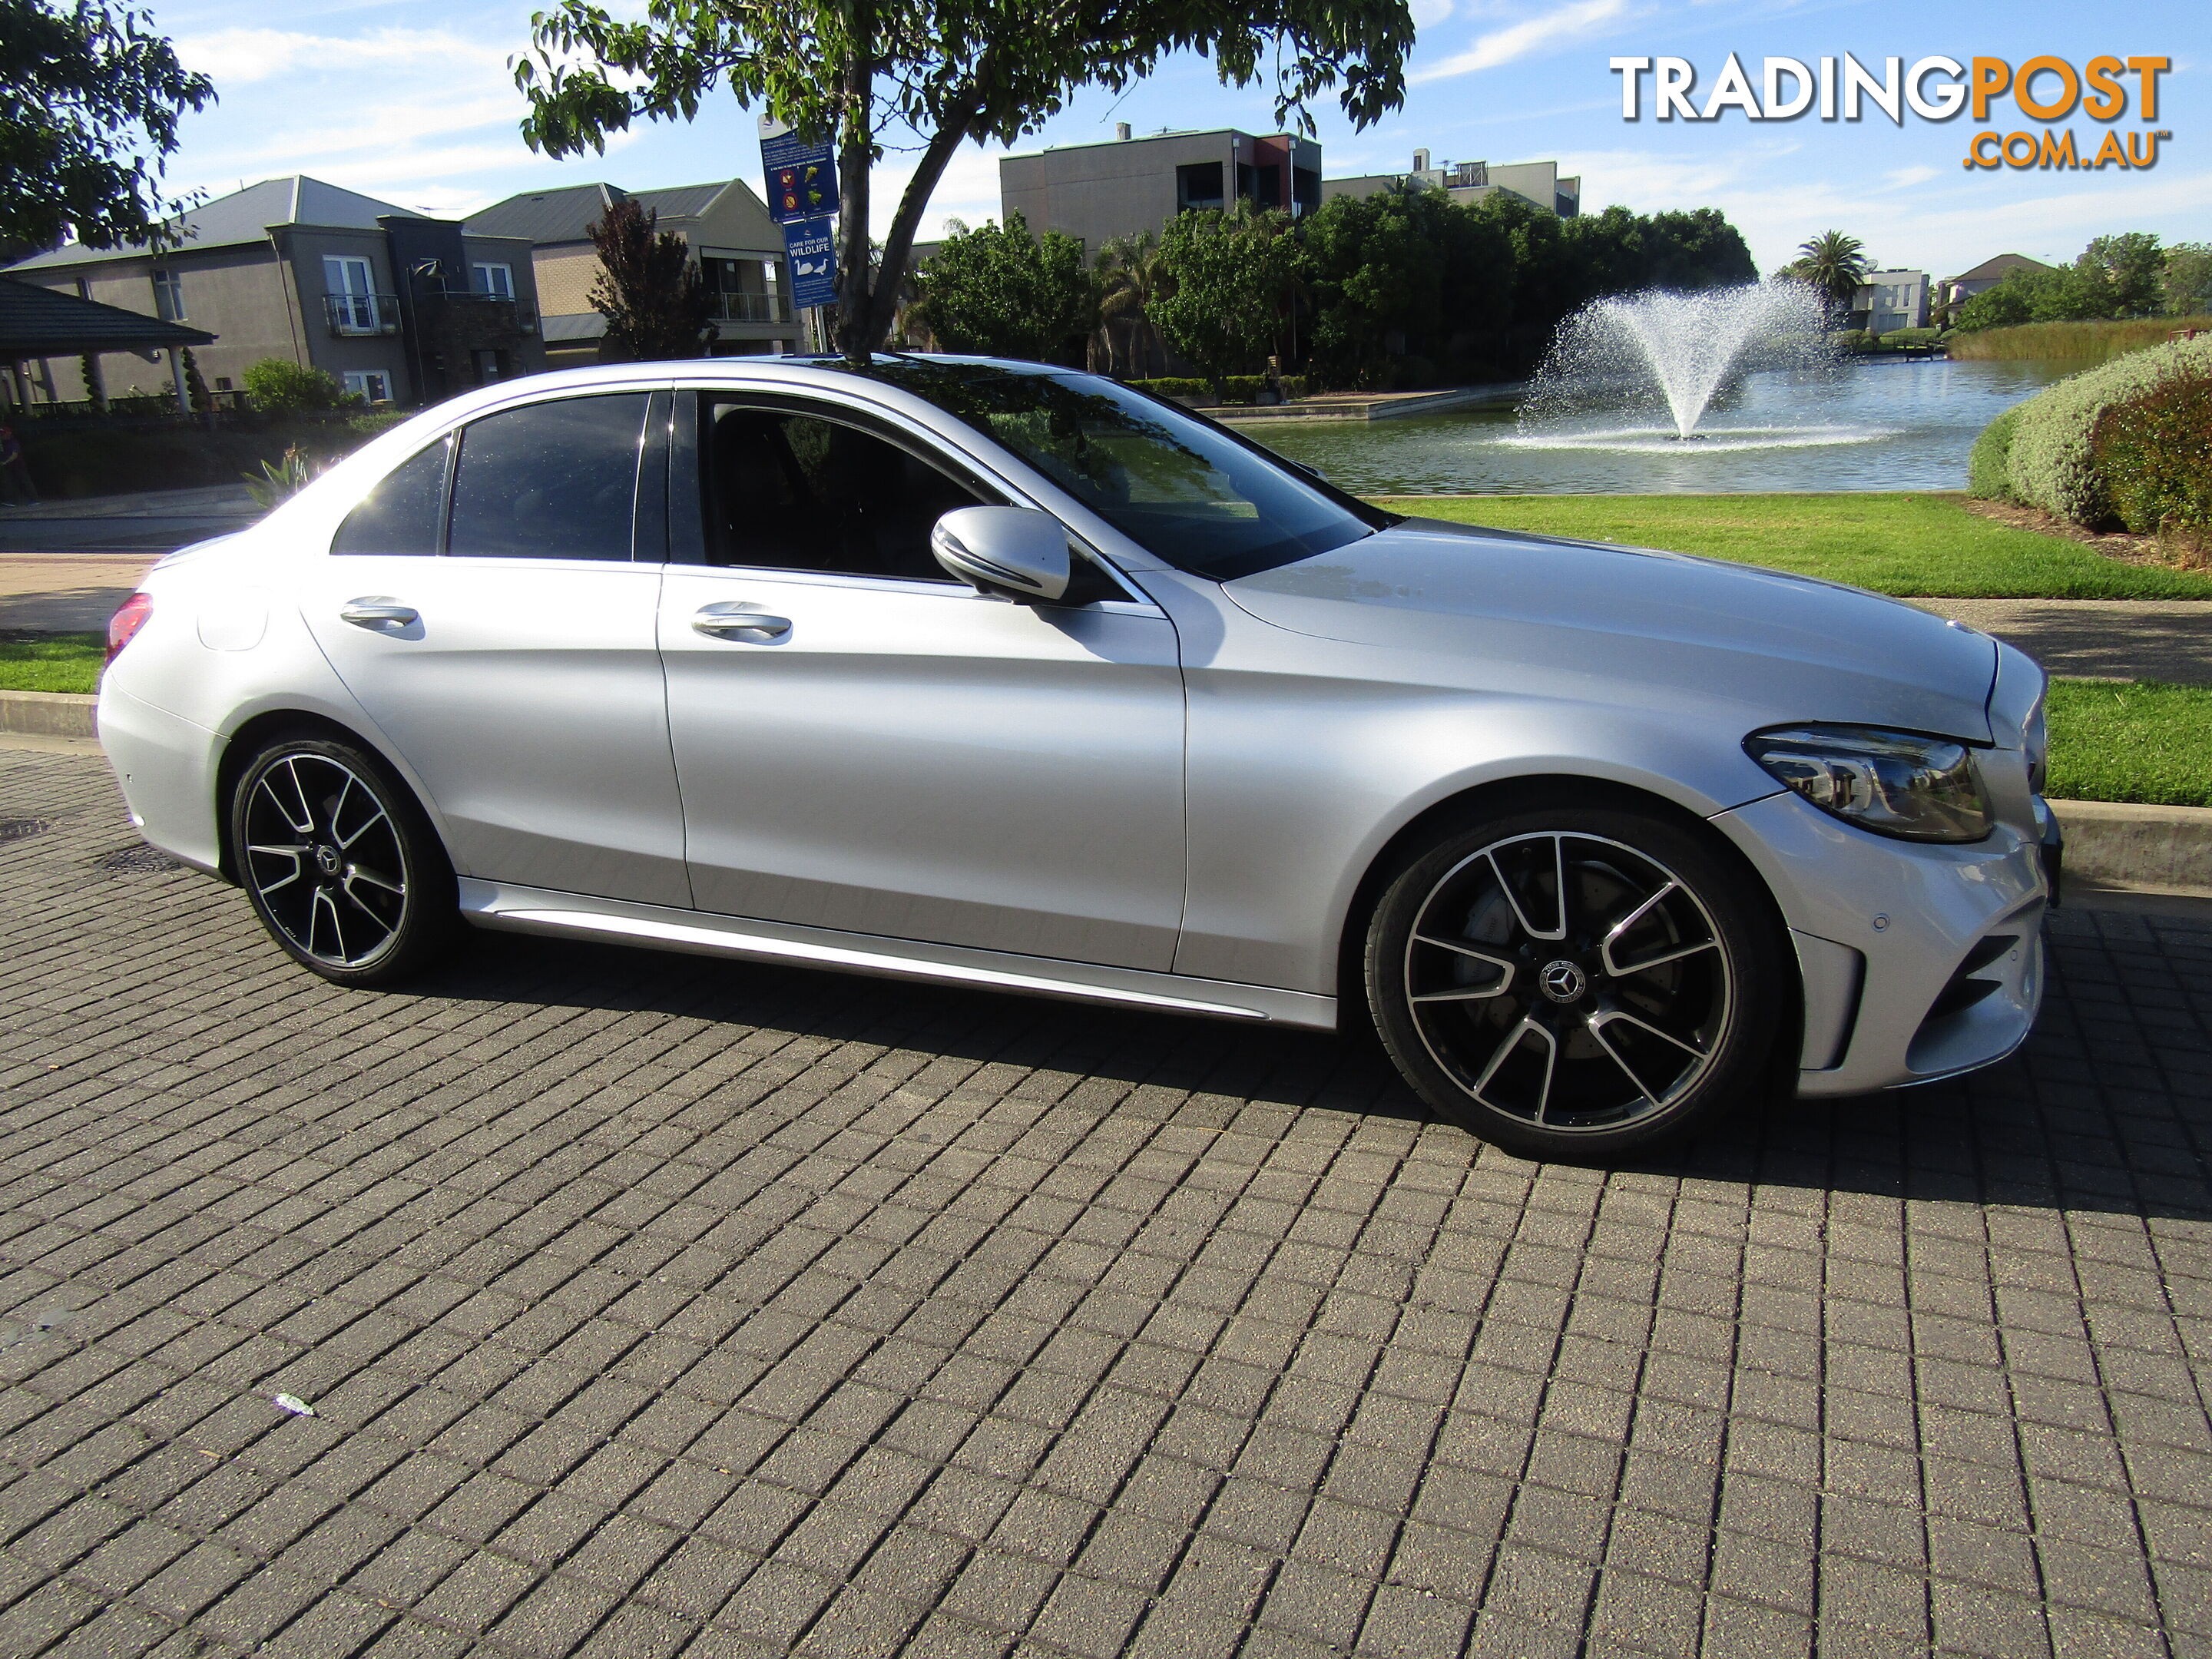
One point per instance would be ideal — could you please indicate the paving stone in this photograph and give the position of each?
(651, 1306)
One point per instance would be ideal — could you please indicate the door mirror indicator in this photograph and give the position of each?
(1015, 552)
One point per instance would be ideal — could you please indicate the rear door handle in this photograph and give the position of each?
(739, 622)
(379, 612)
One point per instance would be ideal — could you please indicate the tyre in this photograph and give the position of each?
(340, 863)
(1578, 982)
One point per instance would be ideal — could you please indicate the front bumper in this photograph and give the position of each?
(1921, 961)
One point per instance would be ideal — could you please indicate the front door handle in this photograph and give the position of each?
(739, 622)
(379, 611)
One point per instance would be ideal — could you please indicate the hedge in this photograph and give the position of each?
(1237, 388)
(2155, 455)
(92, 459)
(2051, 465)
(1988, 463)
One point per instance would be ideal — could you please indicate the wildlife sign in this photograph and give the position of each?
(802, 195)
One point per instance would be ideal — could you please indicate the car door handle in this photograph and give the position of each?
(725, 622)
(379, 612)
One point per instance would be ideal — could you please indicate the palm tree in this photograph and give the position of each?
(1130, 277)
(1834, 264)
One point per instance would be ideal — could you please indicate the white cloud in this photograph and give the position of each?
(1906, 178)
(1519, 40)
(1427, 14)
(240, 57)
(969, 191)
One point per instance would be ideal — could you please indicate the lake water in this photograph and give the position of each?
(1881, 426)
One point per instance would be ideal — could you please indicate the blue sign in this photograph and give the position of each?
(810, 247)
(802, 179)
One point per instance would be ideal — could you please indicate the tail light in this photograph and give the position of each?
(126, 623)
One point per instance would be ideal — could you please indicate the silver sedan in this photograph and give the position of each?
(1015, 677)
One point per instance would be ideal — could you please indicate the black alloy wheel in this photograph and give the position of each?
(339, 862)
(1576, 982)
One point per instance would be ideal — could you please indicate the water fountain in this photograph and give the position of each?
(1669, 356)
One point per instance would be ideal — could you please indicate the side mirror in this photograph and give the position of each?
(1017, 552)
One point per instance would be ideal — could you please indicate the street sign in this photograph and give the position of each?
(802, 178)
(809, 247)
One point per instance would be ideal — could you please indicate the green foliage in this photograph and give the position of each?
(279, 385)
(2185, 283)
(1130, 276)
(2121, 275)
(1235, 388)
(97, 459)
(1911, 545)
(279, 479)
(2125, 272)
(2154, 454)
(196, 387)
(58, 662)
(998, 291)
(1852, 340)
(368, 426)
(648, 288)
(2052, 464)
(2084, 342)
(1834, 264)
(89, 102)
(1900, 339)
(2137, 741)
(1988, 463)
(946, 71)
(1232, 276)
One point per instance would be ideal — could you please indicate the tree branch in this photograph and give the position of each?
(898, 245)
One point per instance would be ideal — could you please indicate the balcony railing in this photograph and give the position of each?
(748, 308)
(361, 313)
(524, 313)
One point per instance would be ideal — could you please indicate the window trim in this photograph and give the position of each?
(480, 268)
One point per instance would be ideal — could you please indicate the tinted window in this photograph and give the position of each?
(794, 492)
(550, 481)
(1200, 498)
(400, 516)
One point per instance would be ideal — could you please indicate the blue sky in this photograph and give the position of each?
(413, 102)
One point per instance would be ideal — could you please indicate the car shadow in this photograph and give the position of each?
(2108, 1108)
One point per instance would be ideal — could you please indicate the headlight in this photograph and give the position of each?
(1895, 783)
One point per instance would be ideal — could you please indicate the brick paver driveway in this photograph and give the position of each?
(650, 1305)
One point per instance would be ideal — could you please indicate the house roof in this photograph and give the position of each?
(245, 215)
(2004, 264)
(544, 216)
(44, 322)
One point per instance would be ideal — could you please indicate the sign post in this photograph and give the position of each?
(802, 197)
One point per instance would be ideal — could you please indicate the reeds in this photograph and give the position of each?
(2082, 343)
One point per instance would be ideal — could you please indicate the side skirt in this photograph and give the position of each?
(509, 908)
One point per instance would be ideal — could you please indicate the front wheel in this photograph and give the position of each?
(339, 862)
(1578, 982)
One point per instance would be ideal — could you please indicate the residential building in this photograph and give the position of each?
(1469, 182)
(1128, 186)
(738, 246)
(400, 306)
(1890, 300)
(1957, 290)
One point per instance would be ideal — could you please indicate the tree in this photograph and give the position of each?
(2123, 274)
(1000, 292)
(2187, 278)
(278, 385)
(90, 102)
(1131, 276)
(648, 289)
(945, 70)
(1232, 273)
(196, 386)
(1834, 264)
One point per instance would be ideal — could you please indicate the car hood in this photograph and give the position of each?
(1565, 616)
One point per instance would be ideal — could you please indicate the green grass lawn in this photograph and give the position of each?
(2131, 740)
(59, 662)
(1914, 546)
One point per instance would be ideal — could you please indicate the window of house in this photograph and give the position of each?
(498, 280)
(401, 515)
(1305, 190)
(1198, 185)
(791, 491)
(222, 383)
(550, 481)
(372, 384)
(352, 287)
(169, 296)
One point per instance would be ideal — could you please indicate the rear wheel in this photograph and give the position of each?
(1578, 982)
(339, 862)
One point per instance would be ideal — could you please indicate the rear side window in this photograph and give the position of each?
(400, 516)
(550, 481)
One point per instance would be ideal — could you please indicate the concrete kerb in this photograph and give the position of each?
(2109, 844)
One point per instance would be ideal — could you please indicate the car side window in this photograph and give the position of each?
(550, 481)
(792, 491)
(401, 515)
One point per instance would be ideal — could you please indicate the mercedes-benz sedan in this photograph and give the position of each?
(1016, 678)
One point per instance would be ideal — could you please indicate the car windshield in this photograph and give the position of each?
(1196, 495)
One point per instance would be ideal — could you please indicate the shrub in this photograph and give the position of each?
(368, 426)
(2050, 464)
(1175, 385)
(2154, 454)
(1236, 388)
(277, 384)
(1989, 465)
(1898, 338)
(1851, 339)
